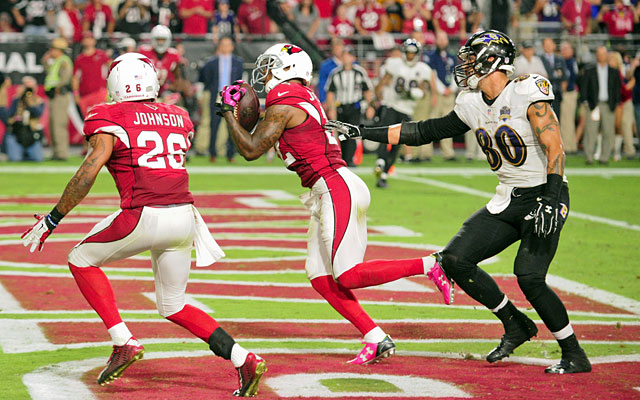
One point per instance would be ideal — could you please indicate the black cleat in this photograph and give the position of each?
(572, 362)
(511, 340)
(382, 183)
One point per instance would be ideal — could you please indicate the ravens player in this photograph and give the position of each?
(518, 131)
(403, 83)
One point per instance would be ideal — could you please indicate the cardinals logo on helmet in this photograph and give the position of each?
(291, 49)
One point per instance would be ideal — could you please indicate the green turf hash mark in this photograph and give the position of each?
(359, 385)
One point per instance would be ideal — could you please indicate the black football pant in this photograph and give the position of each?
(484, 235)
(349, 113)
(389, 116)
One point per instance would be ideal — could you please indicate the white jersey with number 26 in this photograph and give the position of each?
(504, 132)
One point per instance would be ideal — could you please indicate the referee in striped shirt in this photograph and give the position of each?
(349, 93)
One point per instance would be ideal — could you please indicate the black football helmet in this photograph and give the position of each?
(482, 54)
(411, 46)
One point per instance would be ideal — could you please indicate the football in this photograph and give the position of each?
(247, 110)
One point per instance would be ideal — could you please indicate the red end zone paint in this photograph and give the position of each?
(214, 378)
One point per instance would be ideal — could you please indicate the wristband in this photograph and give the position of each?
(553, 186)
(55, 216)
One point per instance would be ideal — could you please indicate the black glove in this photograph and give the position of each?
(546, 213)
(345, 131)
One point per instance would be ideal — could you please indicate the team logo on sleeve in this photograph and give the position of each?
(291, 49)
(505, 113)
(543, 85)
(521, 78)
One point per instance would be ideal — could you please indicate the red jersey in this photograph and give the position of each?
(370, 17)
(195, 24)
(307, 149)
(147, 162)
(342, 28)
(254, 17)
(619, 21)
(98, 17)
(449, 13)
(579, 15)
(165, 64)
(91, 71)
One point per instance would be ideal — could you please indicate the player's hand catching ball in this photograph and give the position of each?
(345, 131)
(230, 96)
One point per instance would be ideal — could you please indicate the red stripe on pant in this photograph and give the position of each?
(341, 199)
(120, 227)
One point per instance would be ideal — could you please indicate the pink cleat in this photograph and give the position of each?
(121, 358)
(374, 352)
(249, 376)
(442, 281)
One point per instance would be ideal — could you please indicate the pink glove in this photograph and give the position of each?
(231, 95)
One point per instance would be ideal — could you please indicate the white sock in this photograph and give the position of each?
(238, 355)
(376, 335)
(503, 303)
(120, 334)
(563, 333)
(428, 262)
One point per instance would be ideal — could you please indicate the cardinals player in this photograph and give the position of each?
(166, 59)
(143, 145)
(338, 199)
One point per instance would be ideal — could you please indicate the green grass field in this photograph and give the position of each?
(598, 249)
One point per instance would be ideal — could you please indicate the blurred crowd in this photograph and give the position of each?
(522, 19)
(598, 120)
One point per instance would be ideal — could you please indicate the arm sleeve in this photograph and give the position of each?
(420, 132)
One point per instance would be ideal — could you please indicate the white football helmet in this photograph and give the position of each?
(160, 38)
(132, 77)
(285, 61)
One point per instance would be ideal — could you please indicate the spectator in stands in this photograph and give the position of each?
(554, 66)
(253, 18)
(550, 18)
(474, 15)
(527, 62)
(498, 15)
(527, 18)
(371, 18)
(57, 84)
(327, 66)
(349, 93)
(224, 22)
(90, 75)
(601, 88)
(619, 20)
(417, 17)
(448, 16)
(165, 12)
(624, 112)
(34, 15)
(217, 73)
(133, 17)
(327, 9)
(569, 101)
(195, 15)
(98, 19)
(394, 11)
(68, 22)
(576, 17)
(23, 136)
(6, 25)
(442, 61)
(307, 17)
(341, 27)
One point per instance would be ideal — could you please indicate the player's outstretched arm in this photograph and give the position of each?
(266, 134)
(76, 190)
(410, 133)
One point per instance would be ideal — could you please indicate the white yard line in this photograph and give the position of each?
(487, 195)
